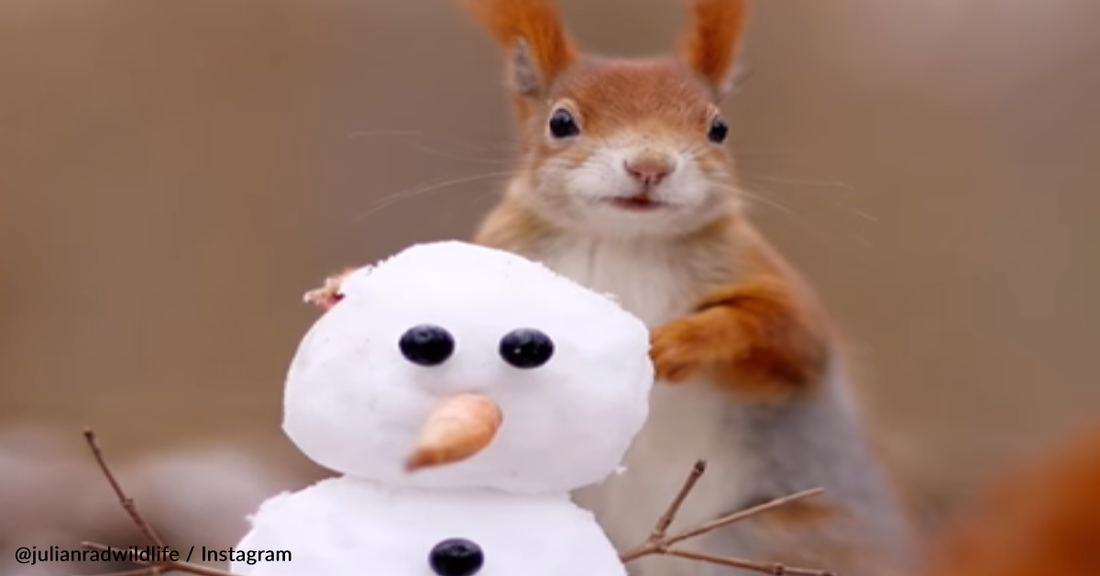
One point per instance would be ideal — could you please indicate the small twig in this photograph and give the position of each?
(773, 568)
(661, 529)
(151, 571)
(660, 544)
(160, 567)
(742, 515)
(152, 568)
(126, 501)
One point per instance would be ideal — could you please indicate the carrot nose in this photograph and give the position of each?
(455, 430)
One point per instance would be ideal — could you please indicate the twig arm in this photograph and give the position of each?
(126, 502)
(160, 567)
(773, 568)
(743, 515)
(659, 543)
(660, 530)
(666, 519)
(152, 568)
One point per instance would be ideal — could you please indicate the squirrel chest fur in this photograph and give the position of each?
(653, 281)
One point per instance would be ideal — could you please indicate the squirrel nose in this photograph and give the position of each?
(649, 169)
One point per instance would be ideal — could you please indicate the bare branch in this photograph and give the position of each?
(660, 544)
(150, 571)
(742, 515)
(666, 519)
(126, 501)
(153, 568)
(160, 567)
(773, 568)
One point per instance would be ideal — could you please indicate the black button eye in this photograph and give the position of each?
(526, 348)
(718, 131)
(562, 124)
(456, 557)
(427, 345)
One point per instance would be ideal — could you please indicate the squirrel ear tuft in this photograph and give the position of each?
(711, 40)
(532, 33)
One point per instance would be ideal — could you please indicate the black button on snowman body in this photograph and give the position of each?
(429, 345)
(456, 557)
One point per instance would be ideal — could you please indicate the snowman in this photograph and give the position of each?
(461, 393)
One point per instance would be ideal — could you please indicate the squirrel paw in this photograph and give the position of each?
(681, 348)
(328, 295)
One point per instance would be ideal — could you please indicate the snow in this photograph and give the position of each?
(354, 404)
(347, 526)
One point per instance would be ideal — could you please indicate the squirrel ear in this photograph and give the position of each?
(525, 76)
(532, 33)
(711, 40)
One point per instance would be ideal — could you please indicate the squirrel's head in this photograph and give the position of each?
(623, 146)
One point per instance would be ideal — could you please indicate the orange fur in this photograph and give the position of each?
(606, 94)
(752, 335)
(614, 92)
(1045, 520)
(535, 22)
(714, 28)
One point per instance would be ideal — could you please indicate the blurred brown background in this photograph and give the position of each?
(174, 174)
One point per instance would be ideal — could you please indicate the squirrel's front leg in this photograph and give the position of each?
(754, 339)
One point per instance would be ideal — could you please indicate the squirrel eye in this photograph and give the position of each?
(562, 124)
(718, 131)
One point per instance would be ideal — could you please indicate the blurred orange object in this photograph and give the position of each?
(1042, 520)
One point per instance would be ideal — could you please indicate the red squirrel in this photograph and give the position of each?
(1043, 520)
(626, 185)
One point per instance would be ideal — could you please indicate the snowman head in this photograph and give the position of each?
(453, 365)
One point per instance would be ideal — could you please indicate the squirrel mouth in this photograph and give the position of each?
(639, 203)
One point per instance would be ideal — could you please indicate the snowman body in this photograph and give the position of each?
(567, 370)
(350, 527)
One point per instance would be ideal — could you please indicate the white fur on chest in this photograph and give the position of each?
(647, 279)
(686, 421)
